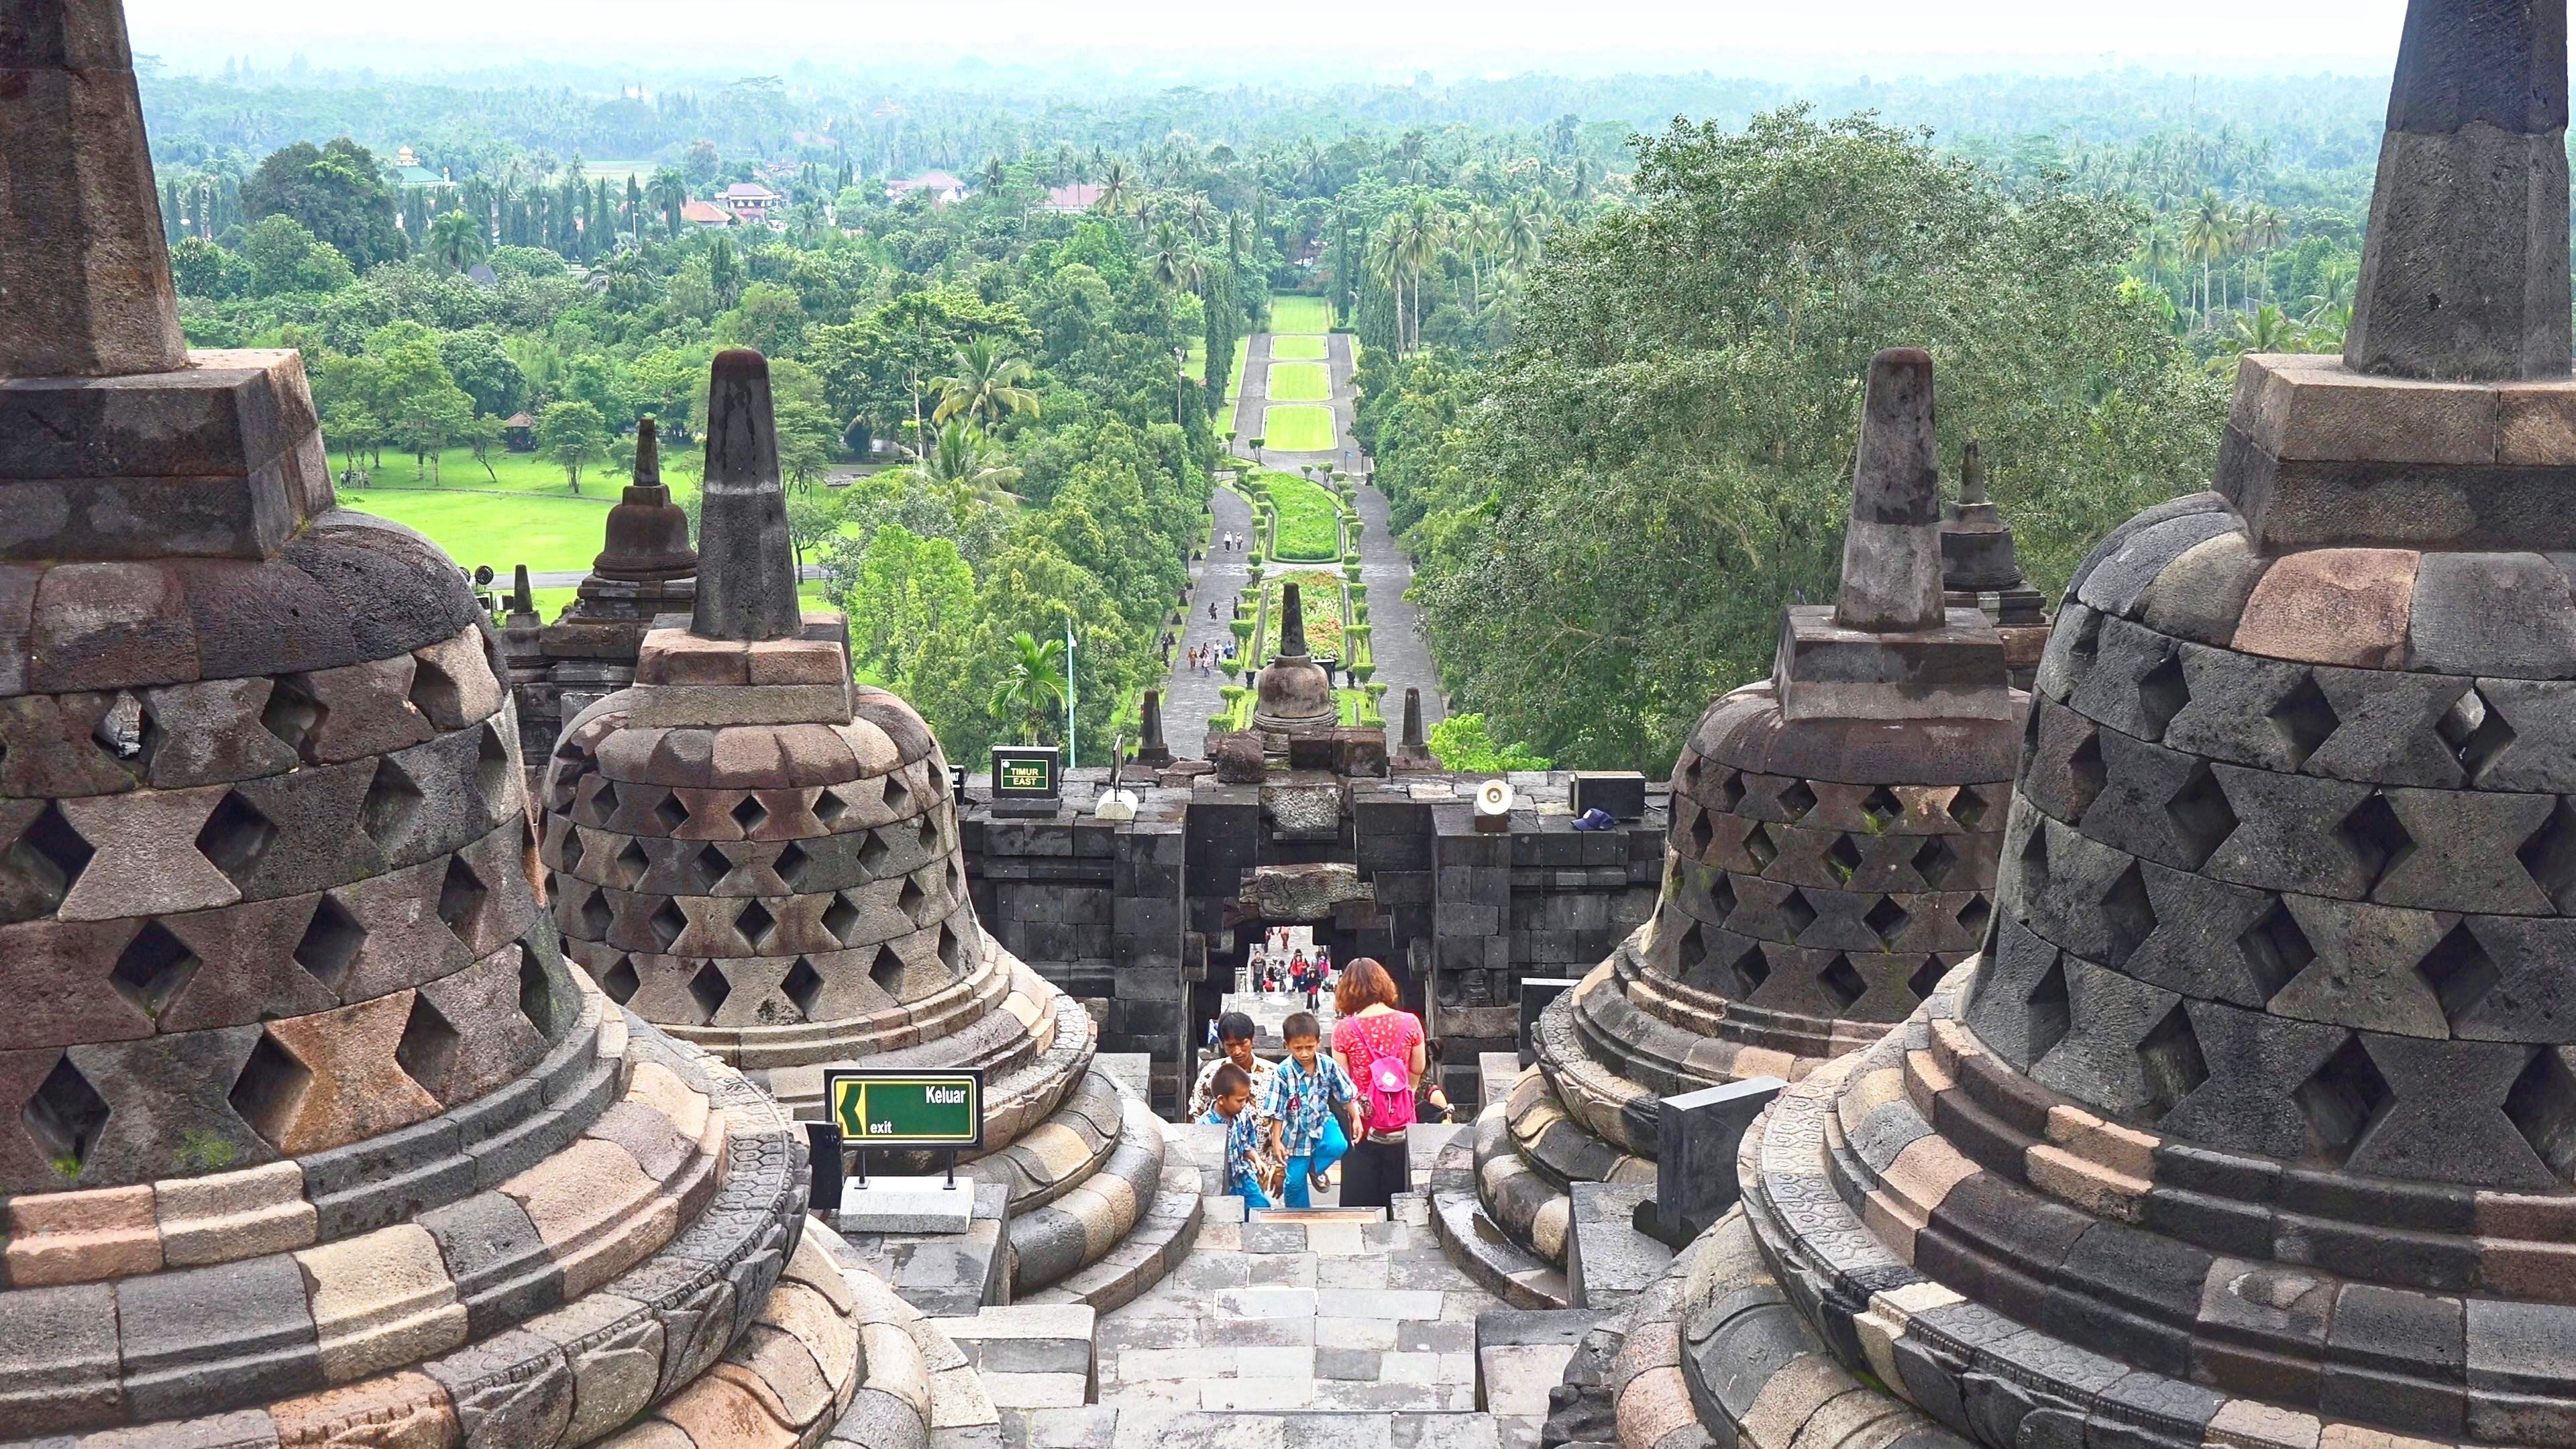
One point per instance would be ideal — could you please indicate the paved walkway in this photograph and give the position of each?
(1395, 639)
(1190, 699)
(1403, 657)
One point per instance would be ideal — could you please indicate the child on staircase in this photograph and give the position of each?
(1310, 1099)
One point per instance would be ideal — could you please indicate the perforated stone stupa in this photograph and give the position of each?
(306, 1136)
(761, 856)
(1833, 845)
(2255, 1122)
(1292, 694)
(1979, 569)
(647, 569)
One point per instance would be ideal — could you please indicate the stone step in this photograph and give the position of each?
(1101, 1427)
(1027, 1340)
(1318, 1215)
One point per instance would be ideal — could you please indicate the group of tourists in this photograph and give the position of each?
(1290, 1123)
(1287, 967)
(1204, 657)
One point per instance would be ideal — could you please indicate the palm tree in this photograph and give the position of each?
(1385, 262)
(1198, 216)
(2268, 331)
(2208, 236)
(2160, 253)
(1031, 689)
(1525, 230)
(2264, 230)
(964, 464)
(985, 387)
(1421, 236)
(456, 239)
(1174, 262)
(1117, 188)
(668, 191)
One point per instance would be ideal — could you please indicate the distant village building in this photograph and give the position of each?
(750, 202)
(1066, 200)
(941, 187)
(701, 213)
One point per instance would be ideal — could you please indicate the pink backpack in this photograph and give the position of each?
(1386, 1089)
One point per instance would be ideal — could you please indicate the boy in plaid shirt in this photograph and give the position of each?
(1307, 1094)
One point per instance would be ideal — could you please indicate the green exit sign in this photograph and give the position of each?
(907, 1108)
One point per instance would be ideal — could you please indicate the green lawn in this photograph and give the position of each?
(1309, 530)
(546, 534)
(1301, 314)
(1296, 347)
(511, 472)
(1197, 367)
(1300, 382)
(1297, 429)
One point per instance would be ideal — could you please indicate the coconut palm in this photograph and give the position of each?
(2160, 253)
(668, 191)
(1525, 231)
(1031, 689)
(2209, 235)
(985, 388)
(456, 239)
(2268, 330)
(1174, 262)
(965, 463)
(1117, 188)
(2265, 229)
(1385, 262)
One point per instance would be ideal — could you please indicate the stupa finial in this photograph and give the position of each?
(2464, 273)
(1891, 580)
(88, 292)
(746, 570)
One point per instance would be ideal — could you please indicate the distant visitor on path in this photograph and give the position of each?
(1382, 1047)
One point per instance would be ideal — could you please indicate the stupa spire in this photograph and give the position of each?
(747, 573)
(2464, 273)
(1891, 580)
(88, 292)
(1292, 623)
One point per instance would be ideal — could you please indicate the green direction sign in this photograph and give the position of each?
(1026, 772)
(907, 1108)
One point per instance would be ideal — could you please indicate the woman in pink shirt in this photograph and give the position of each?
(1382, 1047)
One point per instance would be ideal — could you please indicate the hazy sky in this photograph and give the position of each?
(1332, 39)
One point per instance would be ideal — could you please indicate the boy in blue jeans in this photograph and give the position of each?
(1307, 1094)
(1230, 1097)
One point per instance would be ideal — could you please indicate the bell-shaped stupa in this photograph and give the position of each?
(1292, 694)
(761, 856)
(1979, 569)
(2255, 1123)
(1832, 853)
(306, 1134)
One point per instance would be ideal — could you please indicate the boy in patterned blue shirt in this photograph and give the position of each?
(1230, 1094)
(1307, 1094)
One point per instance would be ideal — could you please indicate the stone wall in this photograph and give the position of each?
(1144, 919)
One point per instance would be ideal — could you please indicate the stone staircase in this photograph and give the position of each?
(1312, 1328)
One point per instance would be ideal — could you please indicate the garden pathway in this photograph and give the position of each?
(1403, 655)
(1255, 395)
(1190, 699)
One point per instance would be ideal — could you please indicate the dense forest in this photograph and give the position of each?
(1611, 330)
